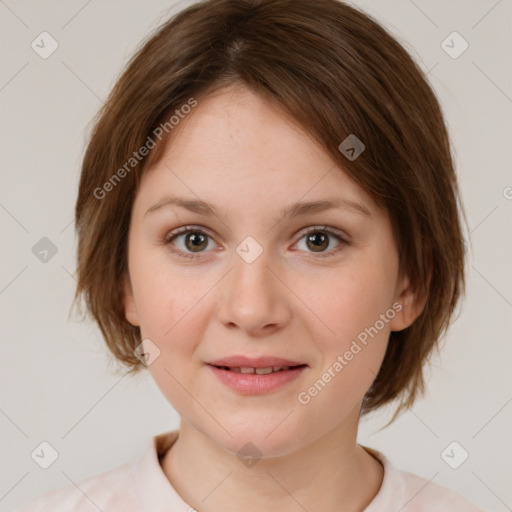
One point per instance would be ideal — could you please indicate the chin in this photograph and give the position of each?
(258, 438)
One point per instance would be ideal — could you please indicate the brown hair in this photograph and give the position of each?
(336, 72)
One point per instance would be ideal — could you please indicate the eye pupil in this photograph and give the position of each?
(319, 240)
(197, 239)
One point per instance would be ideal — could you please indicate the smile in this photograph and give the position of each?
(256, 381)
(259, 371)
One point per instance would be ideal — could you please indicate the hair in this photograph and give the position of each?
(336, 72)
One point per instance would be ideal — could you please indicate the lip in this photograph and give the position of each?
(253, 383)
(239, 361)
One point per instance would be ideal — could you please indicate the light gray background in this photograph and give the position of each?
(57, 382)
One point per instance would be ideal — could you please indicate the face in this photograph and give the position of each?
(253, 276)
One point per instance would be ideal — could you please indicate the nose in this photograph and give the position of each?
(253, 297)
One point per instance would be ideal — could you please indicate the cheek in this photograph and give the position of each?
(350, 301)
(355, 306)
(352, 344)
(165, 294)
(172, 312)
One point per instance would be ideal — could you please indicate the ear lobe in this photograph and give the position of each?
(130, 309)
(412, 302)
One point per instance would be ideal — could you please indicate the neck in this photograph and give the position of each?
(333, 473)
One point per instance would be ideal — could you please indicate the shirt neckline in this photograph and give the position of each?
(155, 493)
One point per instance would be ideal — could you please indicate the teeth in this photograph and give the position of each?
(260, 371)
(263, 371)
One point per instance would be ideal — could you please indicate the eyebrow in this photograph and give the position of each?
(294, 210)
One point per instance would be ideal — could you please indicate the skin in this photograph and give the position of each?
(245, 156)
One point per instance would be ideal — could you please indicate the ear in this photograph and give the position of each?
(130, 308)
(409, 305)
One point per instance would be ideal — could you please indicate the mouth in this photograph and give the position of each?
(259, 371)
(258, 362)
(256, 376)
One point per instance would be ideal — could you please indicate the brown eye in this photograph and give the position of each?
(187, 241)
(323, 241)
(317, 241)
(196, 241)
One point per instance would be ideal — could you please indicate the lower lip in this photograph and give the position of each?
(254, 384)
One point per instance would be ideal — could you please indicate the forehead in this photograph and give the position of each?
(235, 147)
(237, 123)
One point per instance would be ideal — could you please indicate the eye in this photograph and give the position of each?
(191, 240)
(319, 238)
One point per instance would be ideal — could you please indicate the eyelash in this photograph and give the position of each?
(315, 229)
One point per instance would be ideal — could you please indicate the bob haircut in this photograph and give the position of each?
(336, 72)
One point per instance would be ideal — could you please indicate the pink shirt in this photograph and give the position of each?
(142, 486)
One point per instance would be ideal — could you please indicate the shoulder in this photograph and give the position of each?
(427, 496)
(108, 491)
(409, 492)
(136, 485)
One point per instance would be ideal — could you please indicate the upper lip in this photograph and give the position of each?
(253, 362)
